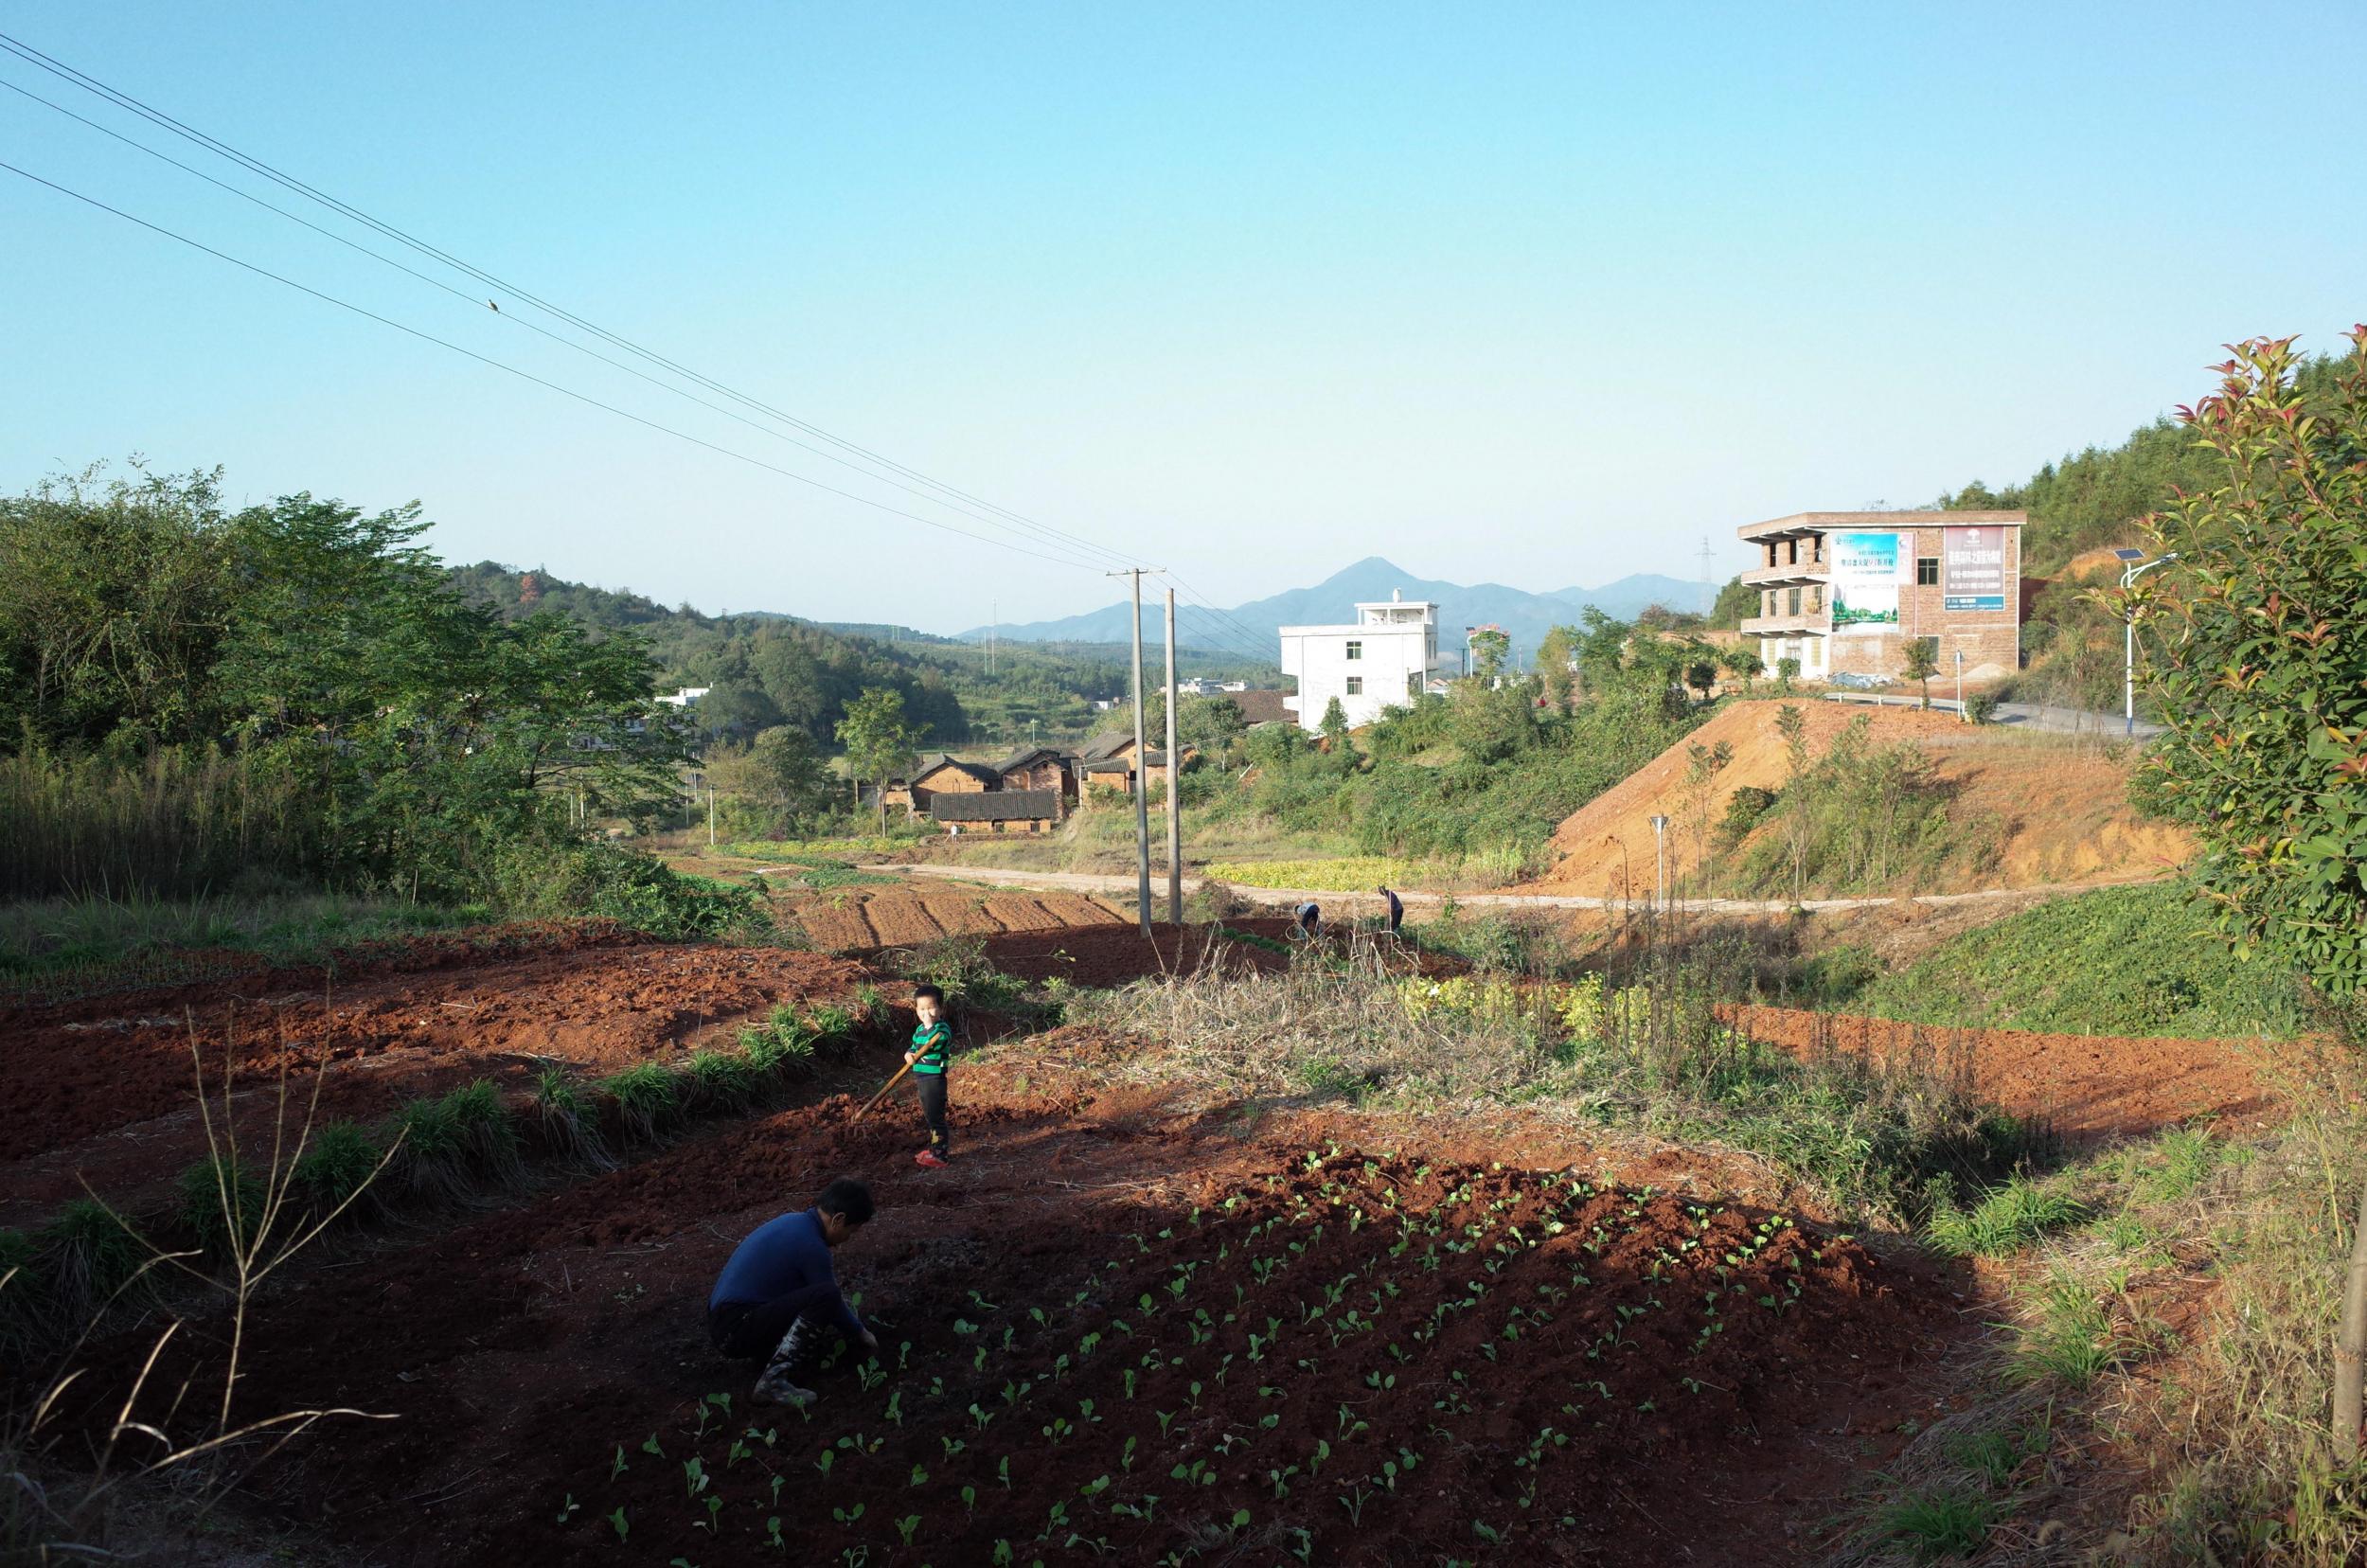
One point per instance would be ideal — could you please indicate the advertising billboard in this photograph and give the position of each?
(1972, 569)
(1868, 569)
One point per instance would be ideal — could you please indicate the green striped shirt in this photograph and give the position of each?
(935, 1041)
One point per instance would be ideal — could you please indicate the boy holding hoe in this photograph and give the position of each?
(932, 1045)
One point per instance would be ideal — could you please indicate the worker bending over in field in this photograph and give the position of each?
(1309, 917)
(1396, 908)
(778, 1294)
(932, 1045)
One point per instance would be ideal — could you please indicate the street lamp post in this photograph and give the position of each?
(1660, 858)
(2135, 565)
(1961, 715)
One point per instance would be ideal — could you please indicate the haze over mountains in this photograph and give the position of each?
(1525, 616)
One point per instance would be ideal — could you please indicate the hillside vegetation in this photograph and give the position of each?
(2118, 961)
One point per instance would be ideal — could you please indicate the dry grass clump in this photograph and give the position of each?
(1877, 1138)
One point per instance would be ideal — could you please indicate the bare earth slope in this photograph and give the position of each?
(2062, 803)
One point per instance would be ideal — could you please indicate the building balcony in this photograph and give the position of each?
(1813, 623)
(1790, 574)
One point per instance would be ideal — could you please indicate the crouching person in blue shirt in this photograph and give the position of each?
(778, 1294)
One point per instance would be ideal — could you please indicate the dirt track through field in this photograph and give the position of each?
(1370, 1354)
(863, 918)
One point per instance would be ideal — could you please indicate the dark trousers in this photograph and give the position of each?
(751, 1331)
(932, 1109)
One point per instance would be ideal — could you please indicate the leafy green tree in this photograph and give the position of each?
(878, 740)
(1742, 661)
(1490, 647)
(1554, 656)
(1786, 671)
(781, 775)
(1335, 727)
(1738, 602)
(2254, 652)
(1923, 662)
(1701, 674)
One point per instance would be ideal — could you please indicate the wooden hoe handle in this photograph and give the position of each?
(883, 1094)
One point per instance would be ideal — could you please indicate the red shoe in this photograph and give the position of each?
(929, 1158)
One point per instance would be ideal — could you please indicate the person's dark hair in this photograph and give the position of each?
(847, 1197)
(935, 993)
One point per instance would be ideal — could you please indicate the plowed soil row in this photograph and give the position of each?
(2089, 1086)
(856, 919)
(1109, 1334)
(105, 1089)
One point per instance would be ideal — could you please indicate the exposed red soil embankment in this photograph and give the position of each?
(2089, 1086)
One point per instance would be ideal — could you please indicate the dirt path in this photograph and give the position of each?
(1094, 881)
(1370, 1355)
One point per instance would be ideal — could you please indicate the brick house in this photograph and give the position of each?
(1845, 593)
(1038, 768)
(997, 811)
(1107, 765)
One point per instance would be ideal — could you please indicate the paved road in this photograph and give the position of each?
(1090, 882)
(2037, 715)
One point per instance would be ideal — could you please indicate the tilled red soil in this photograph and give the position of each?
(1110, 1335)
(2088, 1086)
(105, 1086)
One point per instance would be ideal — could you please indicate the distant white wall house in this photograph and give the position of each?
(686, 698)
(1381, 659)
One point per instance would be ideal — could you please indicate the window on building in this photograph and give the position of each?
(1766, 605)
(1816, 547)
(1816, 601)
(1356, 651)
(1792, 602)
(1927, 571)
(1356, 683)
(1413, 683)
(1792, 556)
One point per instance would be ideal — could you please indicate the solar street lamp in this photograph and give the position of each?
(2131, 573)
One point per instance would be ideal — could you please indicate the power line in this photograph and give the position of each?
(1051, 536)
(528, 375)
(515, 320)
(1071, 544)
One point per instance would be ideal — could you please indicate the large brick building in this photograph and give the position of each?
(1845, 592)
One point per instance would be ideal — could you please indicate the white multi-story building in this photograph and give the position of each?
(1382, 660)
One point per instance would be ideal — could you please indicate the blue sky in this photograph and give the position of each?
(1534, 295)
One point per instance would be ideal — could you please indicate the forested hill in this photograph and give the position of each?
(762, 670)
(2092, 498)
(765, 669)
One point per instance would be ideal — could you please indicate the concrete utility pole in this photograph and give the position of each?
(711, 817)
(1142, 785)
(1175, 805)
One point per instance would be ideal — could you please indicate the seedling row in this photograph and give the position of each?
(1363, 1347)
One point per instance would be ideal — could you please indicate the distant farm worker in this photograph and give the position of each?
(1311, 916)
(932, 1045)
(778, 1295)
(1397, 909)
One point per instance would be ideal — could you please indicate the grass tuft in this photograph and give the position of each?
(2006, 1220)
(221, 1205)
(338, 1162)
(567, 1117)
(724, 1081)
(647, 1099)
(1941, 1522)
(488, 1138)
(94, 1256)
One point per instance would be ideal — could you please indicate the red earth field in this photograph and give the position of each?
(1171, 1334)
(1251, 1333)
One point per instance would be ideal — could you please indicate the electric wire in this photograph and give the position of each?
(1045, 533)
(1225, 629)
(529, 376)
(1059, 538)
